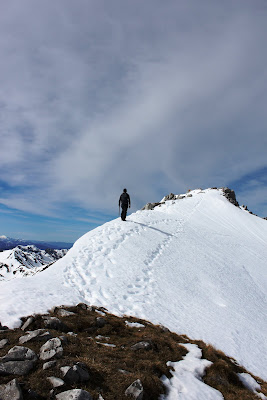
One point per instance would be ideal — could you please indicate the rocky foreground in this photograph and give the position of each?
(85, 353)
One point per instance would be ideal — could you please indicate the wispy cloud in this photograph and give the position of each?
(153, 96)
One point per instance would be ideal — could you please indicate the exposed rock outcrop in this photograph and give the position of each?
(230, 195)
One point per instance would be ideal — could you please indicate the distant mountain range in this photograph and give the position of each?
(27, 260)
(7, 243)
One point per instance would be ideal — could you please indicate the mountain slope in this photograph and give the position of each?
(197, 265)
(26, 260)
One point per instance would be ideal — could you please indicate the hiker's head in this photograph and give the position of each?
(125, 190)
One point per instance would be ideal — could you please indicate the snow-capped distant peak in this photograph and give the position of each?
(26, 260)
(3, 237)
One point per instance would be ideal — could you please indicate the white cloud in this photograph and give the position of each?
(155, 97)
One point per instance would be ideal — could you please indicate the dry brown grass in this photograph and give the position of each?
(105, 364)
(222, 375)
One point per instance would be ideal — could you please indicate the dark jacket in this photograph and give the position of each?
(125, 200)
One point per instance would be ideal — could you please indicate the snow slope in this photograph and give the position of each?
(23, 261)
(196, 265)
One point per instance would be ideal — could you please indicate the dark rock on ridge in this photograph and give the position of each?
(230, 195)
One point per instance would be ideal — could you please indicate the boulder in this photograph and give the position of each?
(52, 348)
(19, 353)
(37, 335)
(16, 367)
(74, 394)
(151, 206)
(230, 195)
(18, 361)
(135, 390)
(75, 374)
(170, 196)
(11, 391)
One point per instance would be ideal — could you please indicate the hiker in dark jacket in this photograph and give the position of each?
(124, 202)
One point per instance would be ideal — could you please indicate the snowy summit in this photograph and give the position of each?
(195, 263)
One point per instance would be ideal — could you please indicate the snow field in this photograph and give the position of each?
(196, 265)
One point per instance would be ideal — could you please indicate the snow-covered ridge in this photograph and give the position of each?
(196, 265)
(25, 261)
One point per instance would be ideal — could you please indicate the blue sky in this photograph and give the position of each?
(154, 96)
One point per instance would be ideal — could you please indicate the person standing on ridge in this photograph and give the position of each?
(124, 202)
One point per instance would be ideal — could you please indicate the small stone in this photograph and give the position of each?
(63, 339)
(142, 346)
(28, 322)
(55, 382)
(135, 390)
(74, 394)
(124, 372)
(100, 322)
(83, 306)
(164, 328)
(54, 323)
(4, 329)
(3, 343)
(64, 313)
(49, 364)
(11, 391)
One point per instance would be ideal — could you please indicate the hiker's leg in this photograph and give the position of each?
(123, 213)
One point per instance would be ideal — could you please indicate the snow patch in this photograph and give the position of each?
(134, 324)
(250, 383)
(186, 383)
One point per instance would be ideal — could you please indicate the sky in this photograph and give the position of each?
(154, 96)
